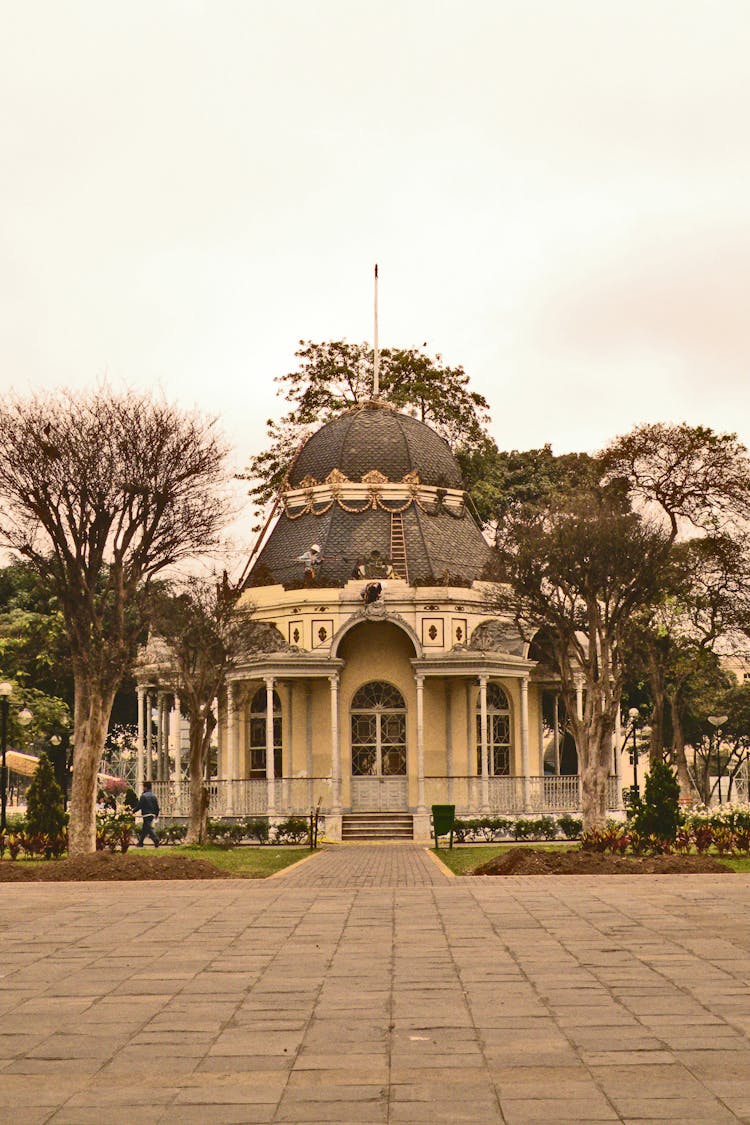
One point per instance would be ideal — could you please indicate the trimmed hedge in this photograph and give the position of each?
(494, 829)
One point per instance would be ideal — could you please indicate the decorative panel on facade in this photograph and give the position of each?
(458, 630)
(433, 632)
(322, 631)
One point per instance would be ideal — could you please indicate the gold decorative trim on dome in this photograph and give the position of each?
(373, 491)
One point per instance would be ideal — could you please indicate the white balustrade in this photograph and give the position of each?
(295, 796)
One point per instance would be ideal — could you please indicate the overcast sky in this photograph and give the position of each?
(557, 193)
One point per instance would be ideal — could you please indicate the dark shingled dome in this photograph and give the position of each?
(377, 437)
(440, 544)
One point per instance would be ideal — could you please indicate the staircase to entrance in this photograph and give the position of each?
(377, 826)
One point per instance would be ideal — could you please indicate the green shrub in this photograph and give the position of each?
(545, 828)
(570, 826)
(659, 813)
(293, 830)
(256, 828)
(461, 830)
(522, 829)
(173, 833)
(45, 812)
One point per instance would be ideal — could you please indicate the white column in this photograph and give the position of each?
(149, 736)
(287, 750)
(163, 738)
(335, 745)
(141, 751)
(221, 755)
(540, 703)
(309, 742)
(421, 808)
(556, 721)
(618, 762)
(175, 730)
(525, 740)
(270, 762)
(471, 745)
(231, 747)
(449, 737)
(579, 699)
(484, 744)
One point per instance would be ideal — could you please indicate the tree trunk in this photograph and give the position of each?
(678, 746)
(656, 742)
(595, 760)
(201, 728)
(93, 707)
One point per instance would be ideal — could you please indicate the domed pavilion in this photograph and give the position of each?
(386, 681)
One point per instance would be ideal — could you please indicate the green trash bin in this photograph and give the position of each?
(443, 817)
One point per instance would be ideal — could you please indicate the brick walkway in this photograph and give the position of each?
(514, 1001)
(368, 865)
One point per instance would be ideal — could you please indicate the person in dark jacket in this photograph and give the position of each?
(148, 806)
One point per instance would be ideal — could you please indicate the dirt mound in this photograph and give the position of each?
(105, 866)
(536, 861)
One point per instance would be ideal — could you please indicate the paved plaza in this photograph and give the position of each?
(365, 986)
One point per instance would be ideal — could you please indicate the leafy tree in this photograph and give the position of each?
(336, 375)
(506, 481)
(44, 801)
(694, 476)
(101, 492)
(207, 632)
(699, 482)
(579, 564)
(33, 646)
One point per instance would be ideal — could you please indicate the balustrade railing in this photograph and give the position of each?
(472, 796)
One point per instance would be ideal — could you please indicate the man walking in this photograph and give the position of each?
(148, 806)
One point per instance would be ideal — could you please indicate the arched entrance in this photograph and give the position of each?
(378, 740)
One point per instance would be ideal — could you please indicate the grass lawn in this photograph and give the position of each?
(248, 863)
(465, 859)
(735, 862)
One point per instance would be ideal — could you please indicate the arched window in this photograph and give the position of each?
(257, 734)
(378, 731)
(498, 732)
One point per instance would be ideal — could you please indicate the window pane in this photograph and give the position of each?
(378, 694)
(364, 762)
(394, 763)
(363, 729)
(393, 729)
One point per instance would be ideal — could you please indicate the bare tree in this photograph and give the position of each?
(206, 633)
(101, 492)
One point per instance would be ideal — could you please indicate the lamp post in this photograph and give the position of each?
(717, 721)
(5, 690)
(634, 715)
(24, 718)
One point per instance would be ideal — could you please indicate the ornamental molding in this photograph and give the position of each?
(373, 491)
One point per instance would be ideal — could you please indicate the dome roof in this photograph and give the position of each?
(375, 436)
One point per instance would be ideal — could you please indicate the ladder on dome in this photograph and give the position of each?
(398, 546)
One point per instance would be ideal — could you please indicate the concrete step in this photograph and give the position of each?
(377, 826)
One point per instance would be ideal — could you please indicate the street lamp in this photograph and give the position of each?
(634, 715)
(717, 721)
(24, 718)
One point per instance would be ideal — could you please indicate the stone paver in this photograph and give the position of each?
(423, 999)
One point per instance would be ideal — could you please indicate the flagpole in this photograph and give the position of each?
(376, 351)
